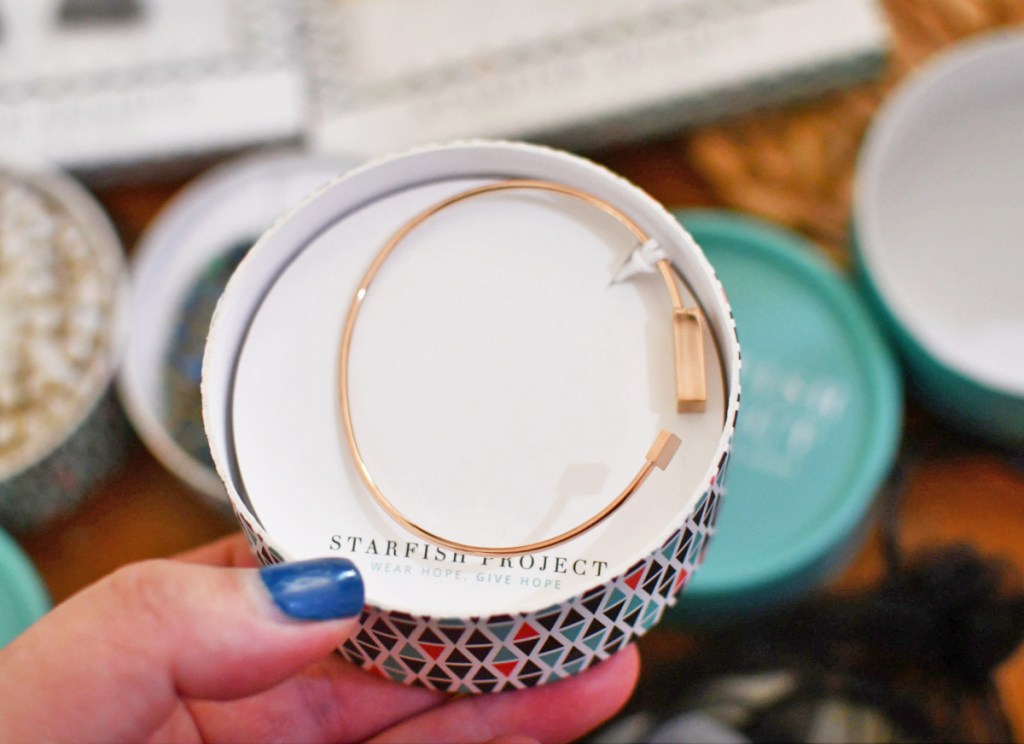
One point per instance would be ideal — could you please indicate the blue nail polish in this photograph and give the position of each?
(320, 589)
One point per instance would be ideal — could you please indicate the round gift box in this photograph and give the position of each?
(200, 232)
(502, 386)
(938, 225)
(87, 438)
(822, 410)
(23, 598)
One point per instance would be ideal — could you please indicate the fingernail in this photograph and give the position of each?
(320, 589)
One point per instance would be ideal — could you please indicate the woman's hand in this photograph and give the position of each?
(208, 648)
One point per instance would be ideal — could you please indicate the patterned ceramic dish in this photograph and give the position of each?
(62, 298)
(502, 388)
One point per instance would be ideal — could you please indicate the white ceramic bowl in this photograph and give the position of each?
(939, 225)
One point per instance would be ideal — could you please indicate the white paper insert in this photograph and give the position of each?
(502, 392)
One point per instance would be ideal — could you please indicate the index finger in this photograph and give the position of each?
(231, 552)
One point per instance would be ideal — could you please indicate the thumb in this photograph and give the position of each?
(114, 661)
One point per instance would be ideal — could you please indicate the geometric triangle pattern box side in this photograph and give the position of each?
(490, 654)
(259, 543)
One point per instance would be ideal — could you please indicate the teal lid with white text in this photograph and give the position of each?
(23, 599)
(818, 427)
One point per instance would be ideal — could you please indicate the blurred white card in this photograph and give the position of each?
(94, 83)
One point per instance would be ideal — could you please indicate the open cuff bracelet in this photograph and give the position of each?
(688, 341)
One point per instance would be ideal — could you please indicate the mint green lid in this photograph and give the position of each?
(818, 426)
(23, 599)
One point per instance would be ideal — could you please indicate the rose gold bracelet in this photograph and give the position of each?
(689, 365)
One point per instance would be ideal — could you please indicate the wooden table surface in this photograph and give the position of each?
(144, 512)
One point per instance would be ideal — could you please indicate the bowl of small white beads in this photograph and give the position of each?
(62, 297)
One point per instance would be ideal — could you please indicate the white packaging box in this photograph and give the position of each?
(391, 73)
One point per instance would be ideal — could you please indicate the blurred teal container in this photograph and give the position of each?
(23, 599)
(821, 419)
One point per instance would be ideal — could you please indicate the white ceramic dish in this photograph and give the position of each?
(235, 201)
(939, 223)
